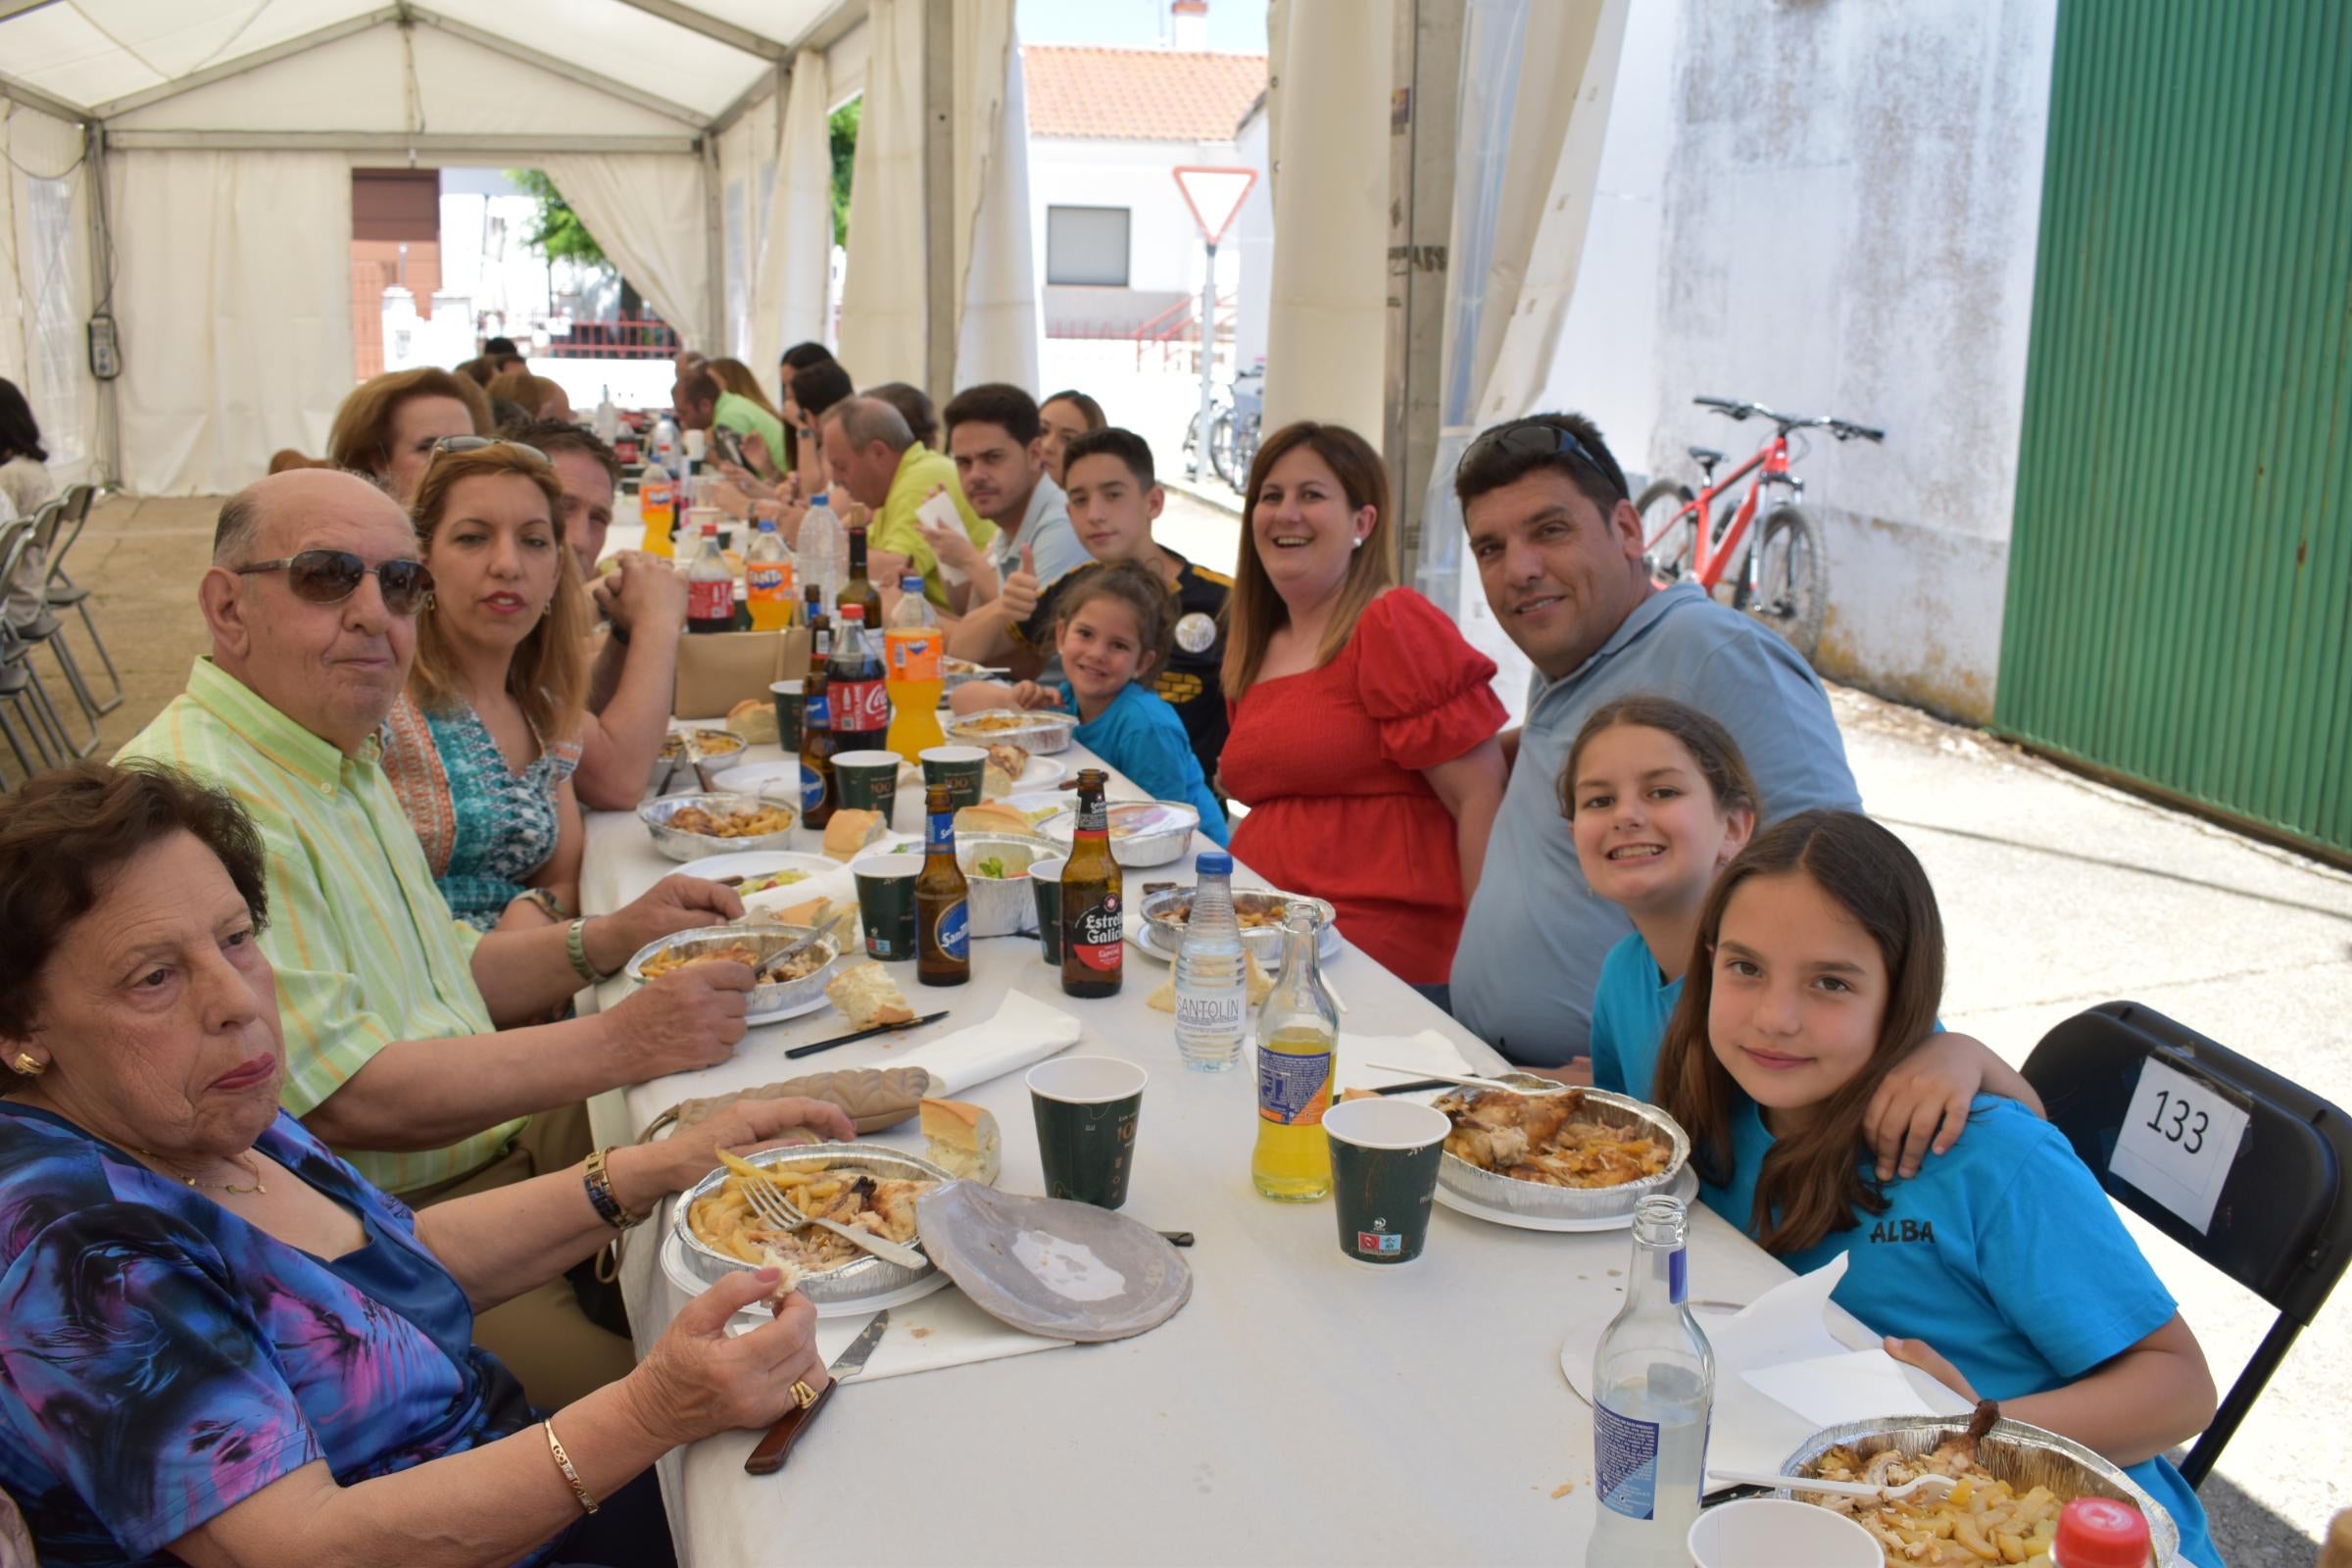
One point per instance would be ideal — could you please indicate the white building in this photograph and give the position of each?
(1118, 251)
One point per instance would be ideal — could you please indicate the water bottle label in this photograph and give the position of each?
(1678, 1276)
(1292, 1090)
(956, 930)
(1625, 1463)
(1209, 1013)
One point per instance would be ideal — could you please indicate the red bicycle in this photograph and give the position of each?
(1784, 577)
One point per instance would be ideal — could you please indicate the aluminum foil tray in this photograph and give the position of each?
(764, 938)
(678, 845)
(1586, 1203)
(2022, 1455)
(1037, 733)
(862, 1277)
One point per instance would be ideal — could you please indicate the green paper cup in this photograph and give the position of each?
(958, 769)
(1045, 881)
(1087, 1108)
(868, 781)
(789, 698)
(1384, 1173)
(885, 904)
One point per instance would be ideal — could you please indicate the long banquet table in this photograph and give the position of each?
(1301, 1407)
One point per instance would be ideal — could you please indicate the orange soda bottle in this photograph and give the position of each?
(658, 507)
(910, 651)
(767, 573)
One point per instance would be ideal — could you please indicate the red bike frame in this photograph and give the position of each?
(1708, 555)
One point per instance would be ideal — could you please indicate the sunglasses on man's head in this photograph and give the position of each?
(1537, 438)
(477, 443)
(331, 577)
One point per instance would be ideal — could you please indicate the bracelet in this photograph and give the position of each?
(575, 947)
(599, 1182)
(554, 1445)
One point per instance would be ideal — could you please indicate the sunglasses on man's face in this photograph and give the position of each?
(331, 577)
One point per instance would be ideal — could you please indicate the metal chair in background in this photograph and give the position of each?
(2277, 1224)
(64, 594)
(24, 701)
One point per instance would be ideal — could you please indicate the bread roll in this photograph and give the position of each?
(867, 994)
(961, 1140)
(993, 817)
(850, 831)
(753, 722)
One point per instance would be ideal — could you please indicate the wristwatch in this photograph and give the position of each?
(549, 905)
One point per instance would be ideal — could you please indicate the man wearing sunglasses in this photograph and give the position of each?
(412, 1043)
(1559, 548)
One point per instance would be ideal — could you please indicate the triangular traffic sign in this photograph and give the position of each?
(1214, 195)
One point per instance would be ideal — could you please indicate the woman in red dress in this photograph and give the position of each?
(1364, 736)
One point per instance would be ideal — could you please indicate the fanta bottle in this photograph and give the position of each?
(912, 655)
(767, 575)
(657, 507)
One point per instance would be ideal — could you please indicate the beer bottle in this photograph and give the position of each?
(817, 728)
(1093, 939)
(860, 589)
(942, 920)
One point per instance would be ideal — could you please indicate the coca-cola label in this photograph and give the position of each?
(709, 599)
(858, 707)
(1096, 935)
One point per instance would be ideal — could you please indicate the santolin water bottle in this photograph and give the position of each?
(1653, 1391)
(1213, 982)
(822, 551)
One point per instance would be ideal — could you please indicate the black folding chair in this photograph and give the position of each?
(2280, 1225)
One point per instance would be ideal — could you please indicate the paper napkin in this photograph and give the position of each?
(1024, 1031)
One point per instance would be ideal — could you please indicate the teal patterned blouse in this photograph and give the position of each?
(486, 828)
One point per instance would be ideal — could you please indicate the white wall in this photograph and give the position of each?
(1833, 209)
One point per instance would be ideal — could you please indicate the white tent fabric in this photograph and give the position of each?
(1327, 342)
(248, 302)
(45, 281)
(884, 304)
(648, 213)
(797, 251)
(997, 336)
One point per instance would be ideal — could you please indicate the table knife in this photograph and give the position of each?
(798, 1052)
(775, 1449)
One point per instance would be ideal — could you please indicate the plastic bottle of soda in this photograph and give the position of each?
(910, 644)
(767, 573)
(710, 585)
(656, 508)
(817, 726)
(821, 550)
(854, 698)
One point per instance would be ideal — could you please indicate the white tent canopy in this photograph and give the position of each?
(221, 133)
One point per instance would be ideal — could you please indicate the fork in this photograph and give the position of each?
(1835, 1488)
(767, 1201)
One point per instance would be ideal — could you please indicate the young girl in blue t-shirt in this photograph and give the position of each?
(2001, 1269)
(1658, 800)
(1115, 625)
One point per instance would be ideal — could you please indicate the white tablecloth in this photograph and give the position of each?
(1300, 1408)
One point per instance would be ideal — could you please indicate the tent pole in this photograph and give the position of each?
(1421, 148)
(715, 326)
(938, 200)
(109, 444)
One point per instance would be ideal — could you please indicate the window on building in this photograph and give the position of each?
(1086, 245)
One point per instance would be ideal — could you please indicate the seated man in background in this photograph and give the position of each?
(876, 462)
(643, 598)
(996, 441)
(1557, 545)
(412, 1041)
(703, 404)
(1115, 497)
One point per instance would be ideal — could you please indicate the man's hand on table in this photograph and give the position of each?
(689, 1018)
(674, 904)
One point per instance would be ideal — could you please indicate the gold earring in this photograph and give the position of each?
(24, 1063)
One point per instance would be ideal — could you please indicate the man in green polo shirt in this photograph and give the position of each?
(872, 454)
(703, 405)
(411, 1045)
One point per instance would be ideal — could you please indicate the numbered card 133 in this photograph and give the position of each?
(2179, 1139)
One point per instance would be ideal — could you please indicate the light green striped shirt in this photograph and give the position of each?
(365, 950)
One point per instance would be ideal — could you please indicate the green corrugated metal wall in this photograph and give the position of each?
(2180, 605)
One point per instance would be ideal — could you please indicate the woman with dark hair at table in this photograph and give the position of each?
(1384, 811)
(24, 488)
(1062, 418)
(218, 1343)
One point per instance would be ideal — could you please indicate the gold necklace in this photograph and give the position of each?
(245, 1162)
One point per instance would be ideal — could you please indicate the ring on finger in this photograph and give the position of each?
(802, 1395)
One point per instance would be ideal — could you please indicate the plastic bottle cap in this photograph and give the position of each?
(1213, 863)
(2101, 1533)
(818, 498)
(910, 584)
(853, 612)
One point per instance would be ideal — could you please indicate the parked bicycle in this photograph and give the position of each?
(1783, 576)
(1232, 430)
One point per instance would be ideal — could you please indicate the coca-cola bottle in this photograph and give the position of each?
(854, 695)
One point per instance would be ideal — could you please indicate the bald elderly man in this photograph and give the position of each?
(871, 453)
(410, 1040)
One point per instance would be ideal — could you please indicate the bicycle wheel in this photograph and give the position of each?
(1670, 557)
(1220, 449)
(1786, 585)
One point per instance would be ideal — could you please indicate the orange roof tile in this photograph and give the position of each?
(1139, 94)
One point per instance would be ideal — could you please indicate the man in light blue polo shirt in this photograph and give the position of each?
(1559, 548)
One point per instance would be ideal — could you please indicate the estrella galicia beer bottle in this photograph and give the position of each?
(943, 916)
(1093, 939)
